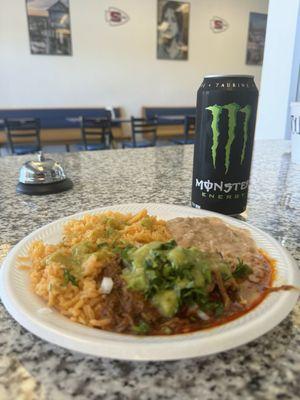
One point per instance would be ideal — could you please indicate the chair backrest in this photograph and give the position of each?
(150, 112)
(189, 127)
(144, 127)
(98, 129)
(22, 131)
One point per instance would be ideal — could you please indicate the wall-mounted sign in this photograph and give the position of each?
(115, 17)
(218, 24)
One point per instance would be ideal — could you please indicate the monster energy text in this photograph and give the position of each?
(221, 186)
(226, 112)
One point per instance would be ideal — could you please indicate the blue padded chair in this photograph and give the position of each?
(145, 128)
(189, 128)
(23, 135)
(96, 133)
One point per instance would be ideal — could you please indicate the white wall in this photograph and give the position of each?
(280, 69)
(117, 65)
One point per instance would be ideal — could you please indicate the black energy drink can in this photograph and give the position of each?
(225, 125)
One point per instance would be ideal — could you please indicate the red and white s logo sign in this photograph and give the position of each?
(218, 24)
(115, 17)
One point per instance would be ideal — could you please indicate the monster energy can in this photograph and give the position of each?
(225, 123)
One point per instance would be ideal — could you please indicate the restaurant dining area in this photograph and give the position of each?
(73, 129)
(149, 200)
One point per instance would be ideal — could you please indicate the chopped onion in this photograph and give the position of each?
(106, 285)
(202, 315)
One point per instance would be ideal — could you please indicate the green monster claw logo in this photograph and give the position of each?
(216, 112)
(247, 111)
(232, 110)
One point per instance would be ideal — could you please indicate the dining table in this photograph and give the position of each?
(266, 368)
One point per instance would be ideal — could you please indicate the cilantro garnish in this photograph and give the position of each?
(242, 270)
(141, 329)
(68, 277)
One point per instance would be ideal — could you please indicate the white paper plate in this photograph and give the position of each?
(29, 310)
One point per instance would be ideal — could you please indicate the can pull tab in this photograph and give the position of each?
(41, 156)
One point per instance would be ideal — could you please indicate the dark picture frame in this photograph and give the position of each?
(172, 30)
(256, 38)
(49, 27)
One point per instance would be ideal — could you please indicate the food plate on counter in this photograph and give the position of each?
(148, 282)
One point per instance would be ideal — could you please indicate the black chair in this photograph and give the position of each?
(96, 133)
(23, 135)
(145, 128)
(189, 128)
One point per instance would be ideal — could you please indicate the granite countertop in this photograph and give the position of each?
(267, 368)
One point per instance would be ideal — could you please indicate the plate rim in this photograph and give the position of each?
(39, 328)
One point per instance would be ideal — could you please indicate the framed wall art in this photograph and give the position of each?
(256, 38)
(49, 27)
(172, 30)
